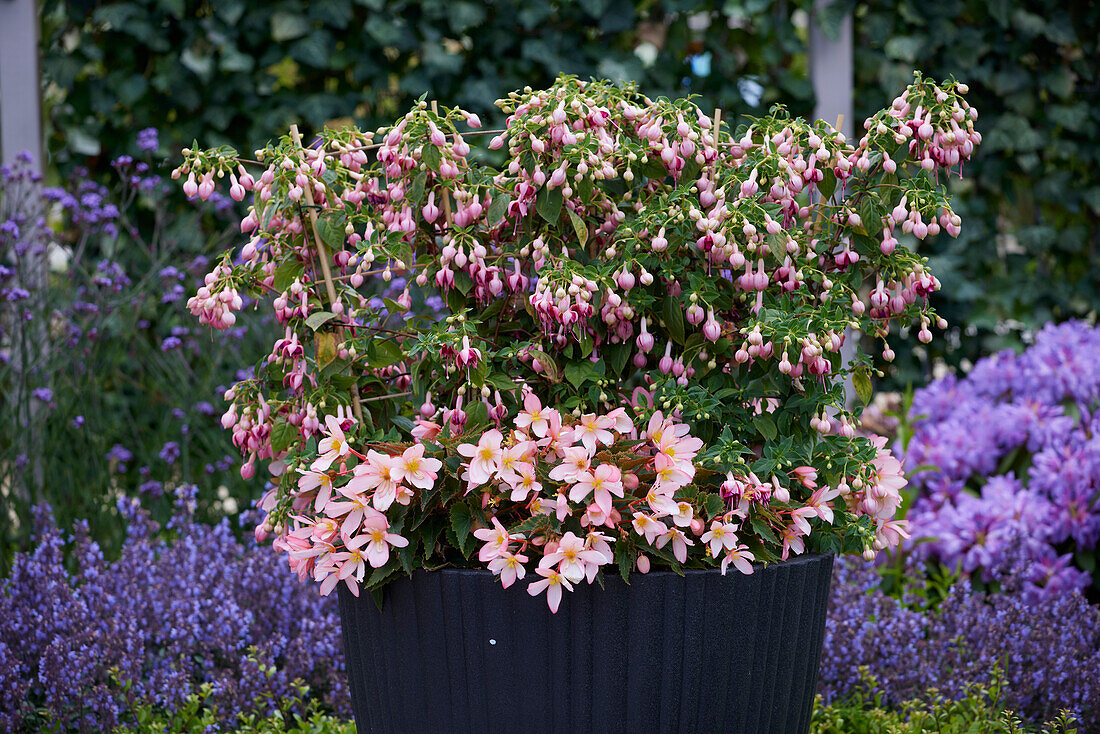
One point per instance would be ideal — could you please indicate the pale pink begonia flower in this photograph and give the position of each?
(658, 426)
(496, 539)
(576, 462)
(484, 457)
(670, 476)
(418, 471)
(593, 430)
(534, 416)
(332, 447)
(741, 557)
(721, 537)
(684, 514)
(620, 421)
(792, 541)
(661, 502)
(572, 558)
(380, 473)
(552, 582)
(319, 481)
(523, 482)
(605, 481)
(558, 436)
(647, 527)
(511, 458)
(680, 543)
(509, 566)
(353, 509)
(376, 537)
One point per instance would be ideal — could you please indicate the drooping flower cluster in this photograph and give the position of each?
(1014, 462)
(630, 260)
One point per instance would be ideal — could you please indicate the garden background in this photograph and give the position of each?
(112, 404)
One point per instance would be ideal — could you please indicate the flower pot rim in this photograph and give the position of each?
(663, 573)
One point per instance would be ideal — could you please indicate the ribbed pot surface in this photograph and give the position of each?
(452, 652)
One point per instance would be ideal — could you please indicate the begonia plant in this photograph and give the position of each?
(640, 357)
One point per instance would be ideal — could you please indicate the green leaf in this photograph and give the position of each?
(827, 185)
(674, 319)
(578, 227)
(477, 415)
(548, 204)
(318, 318)
(461, 522)
(286, 273)
(498, 208)
(430, 157)
(384, 353)
(764, 530)
(549, 366)
(713, 505)
(416, 191)
(501, 381)
(331, 226)
(577, 373)
(325, 342)
(283, 434)
(862, 383)
(288, 26)
(765, 424)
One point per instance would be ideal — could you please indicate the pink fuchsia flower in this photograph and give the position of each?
(418, 471)
(534, 416)
(741, 557)
(648, 527)
(484, 457)
(509, 566)
(721, 537)
(680, 543)
(592, 430)
(496, 539)
(377, 538)
(575, 463)
(574, 561)
(316, 481)
(807, 475)
(552, 582)
(332, 447)
(605, 481)
(467, 356)
(425, 430)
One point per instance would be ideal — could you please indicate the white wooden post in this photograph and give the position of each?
(20, 85)
(831, 71)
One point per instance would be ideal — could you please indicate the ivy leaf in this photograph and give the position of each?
(578, 227)
(548, 205)
(283, 434)
(318, 318)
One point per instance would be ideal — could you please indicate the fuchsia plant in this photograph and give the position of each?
(641, 360)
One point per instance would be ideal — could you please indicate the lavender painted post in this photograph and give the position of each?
(21, 131)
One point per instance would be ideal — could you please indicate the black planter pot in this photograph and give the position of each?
(452, 652)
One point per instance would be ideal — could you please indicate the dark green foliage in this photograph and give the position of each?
(237, 71)
(1030, 202)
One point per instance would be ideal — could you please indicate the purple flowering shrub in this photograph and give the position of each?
(1047, 646)
(103, 377)
(1008, 459)
(167, 617)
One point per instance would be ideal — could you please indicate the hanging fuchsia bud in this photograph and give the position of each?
(430, 210)
(236, 190)
(496, 143)
(665, 365)
(695, 314)
(712, 330)
(190, 188)
(427, 410)
(659, 243)
(645, 339)
(472, 120)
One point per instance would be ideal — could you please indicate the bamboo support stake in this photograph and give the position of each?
(326, 271)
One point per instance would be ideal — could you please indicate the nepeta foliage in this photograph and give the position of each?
(645, 319)
(1012, 463)
(1047, 648)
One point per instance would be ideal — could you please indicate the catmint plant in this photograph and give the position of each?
(640, 360)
